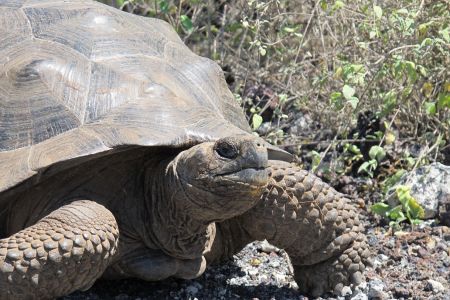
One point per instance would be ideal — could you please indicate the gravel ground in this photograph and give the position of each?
(407, 265)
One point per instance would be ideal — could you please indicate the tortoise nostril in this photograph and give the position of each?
(226, 149)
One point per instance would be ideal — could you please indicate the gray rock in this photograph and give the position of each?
(346, 290)
(274, 264)
(434, 286)
(376, 290)
(430, 186)
(192, 290)
(301, 124)
(359, 295)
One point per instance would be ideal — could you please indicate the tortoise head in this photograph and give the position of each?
(223, 179)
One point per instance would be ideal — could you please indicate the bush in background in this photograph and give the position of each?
(359, 88)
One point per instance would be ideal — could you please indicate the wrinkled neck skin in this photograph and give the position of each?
(167, 221)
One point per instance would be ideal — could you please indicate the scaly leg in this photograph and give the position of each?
(63, 252)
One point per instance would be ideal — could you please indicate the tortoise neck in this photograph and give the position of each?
(169, 224)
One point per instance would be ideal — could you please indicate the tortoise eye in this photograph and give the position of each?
(226, 149)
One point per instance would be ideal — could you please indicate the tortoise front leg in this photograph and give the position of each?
(317, 227)
(63, 252)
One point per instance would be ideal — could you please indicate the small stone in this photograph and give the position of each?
(252, 272)
(346, 290)
(192, 290)
(376, 287)
(434, 286)
(274, 264)
(359, 295)
(267, 248)
(401, 292)
(280, 278)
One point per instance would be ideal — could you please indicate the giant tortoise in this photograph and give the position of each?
(124, 155)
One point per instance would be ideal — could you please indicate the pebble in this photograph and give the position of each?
(252, 272)
(192, 290)
(434, 286)
(267, 248)
(359, 295)
(274, 264)
(376, 287)
(346, 290)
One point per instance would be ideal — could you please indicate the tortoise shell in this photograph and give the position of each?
(80, 79)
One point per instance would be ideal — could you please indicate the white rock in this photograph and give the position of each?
(346, 290)
(435, 286)
(274, 264)
(359, 295)
(267, 248)
(280, 278)
(252, 272)
(430, 186)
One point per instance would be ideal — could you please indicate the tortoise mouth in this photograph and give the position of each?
(248, 176)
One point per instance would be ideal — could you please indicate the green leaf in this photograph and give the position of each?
(164, 6)
(186, 23)
(256, 121)
(444, 100)
(353, 102)
(426, 42)
(337, 5)
(348, 92)
(445, 34)
(262, 51)
(380, 208)
(368, 167)
(415, 210)
(377, 152)
(396, 214)
(288, 29)
(411, 70)
(402, 11)
(378, 11)
(430, 108)
(392, 180)
(352, 148)
(316, 158)
(336, 100)
(410, 205)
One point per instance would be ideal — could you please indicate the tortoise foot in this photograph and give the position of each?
(333, 274)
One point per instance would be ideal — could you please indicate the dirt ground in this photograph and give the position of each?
(408, 264)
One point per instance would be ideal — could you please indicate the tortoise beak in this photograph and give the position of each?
(250, 176)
